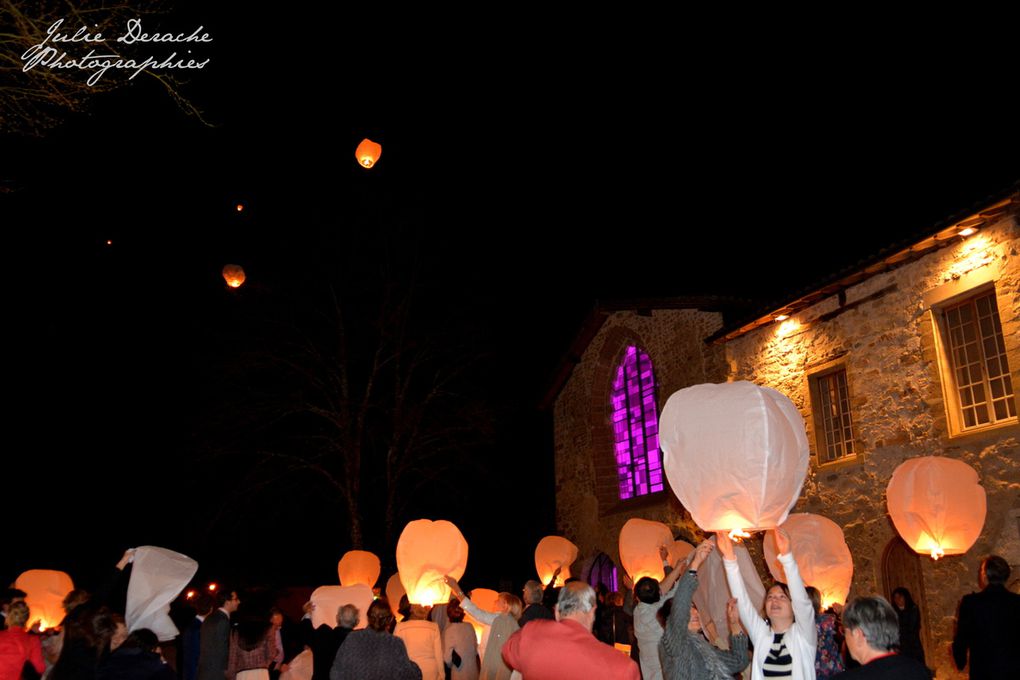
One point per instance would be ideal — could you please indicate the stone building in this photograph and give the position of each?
(917, 353)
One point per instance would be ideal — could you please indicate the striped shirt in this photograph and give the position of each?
(779, 663)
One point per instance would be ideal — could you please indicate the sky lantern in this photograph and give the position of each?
(395, 591)
(358, 566)
(45, 590)
(300, 667)
(550, 553)
(821, 552)
(426, 552)
(233, 274)
(937, 505)
(486, 599)
(713, 591)
(158, 576)
(735, 454)
(368, 153)
(640, 540)
(327, 600)
(678, 550)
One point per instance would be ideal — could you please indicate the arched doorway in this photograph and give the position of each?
(603, 571)
(901, 567)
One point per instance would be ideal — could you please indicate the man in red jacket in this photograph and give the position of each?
(565, 649)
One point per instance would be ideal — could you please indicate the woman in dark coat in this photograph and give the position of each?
(910, 624)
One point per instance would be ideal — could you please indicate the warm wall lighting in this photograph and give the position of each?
(782, 317)
(368, 153)
(967, 231)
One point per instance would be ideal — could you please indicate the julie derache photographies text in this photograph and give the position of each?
(94, 53)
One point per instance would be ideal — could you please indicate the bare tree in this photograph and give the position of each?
(36, 100)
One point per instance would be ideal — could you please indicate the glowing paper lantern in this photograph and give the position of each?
(395, 591)
(553, 552)
(713, 591)
(233, 274)
(327, 601)
(486, 599)
(158, 576)
(300, 667)
(45, 591)
(368, 153)
(426, 552)
(735, 454)
(822, 555)
(937, 505)
(640, 540)
(358, 566)
(678, 550)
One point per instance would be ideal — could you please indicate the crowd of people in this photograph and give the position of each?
(653, 631)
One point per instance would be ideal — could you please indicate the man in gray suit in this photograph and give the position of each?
(215, 638)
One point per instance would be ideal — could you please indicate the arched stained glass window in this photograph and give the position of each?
(636, 426)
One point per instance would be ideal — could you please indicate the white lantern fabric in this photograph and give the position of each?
(45, 590)
(640, 540)
(158, 576)
(553, 552)
(426, 552)
(714, 592)
(395, 591)
(300, 667)
(327, 600)
(937, 505)
(358, 566)
(821, 552)
(735, 454)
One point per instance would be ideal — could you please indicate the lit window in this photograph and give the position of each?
(978, 382)
(834, 428)
(636, 426)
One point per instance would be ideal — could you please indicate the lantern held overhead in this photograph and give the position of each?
(554, 552)
(937, 505)
(358, 566)
(158, 575)
(822, 555)
(714, 592)
(45, 590)
(735, 454)
(368, 153)
(640, 540)
(487, 600)
(233, 274)
(327, 600)
(426, 552)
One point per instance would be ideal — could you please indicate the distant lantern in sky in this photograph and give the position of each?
(550, 553)
(822, 555)
(937, 505)
(240, 207)
(358, 566)
(368, 153)
(233, 274)
(640, 540)
(736, 454)
(45, 591)
(426, 552)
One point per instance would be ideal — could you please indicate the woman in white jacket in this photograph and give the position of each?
(785, 642)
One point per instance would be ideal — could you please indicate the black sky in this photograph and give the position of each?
(530, 177)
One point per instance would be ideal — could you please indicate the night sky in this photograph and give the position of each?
(521, 181)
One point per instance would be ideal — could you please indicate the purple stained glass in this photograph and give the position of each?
(636, 426)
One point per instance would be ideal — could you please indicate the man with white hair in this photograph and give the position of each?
(565, 649)
(872, 632)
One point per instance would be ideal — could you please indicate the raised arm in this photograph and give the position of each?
(467, 605)
(803, 609)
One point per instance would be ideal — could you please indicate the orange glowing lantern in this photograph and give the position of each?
(484, 599)
(368, 153)
(735, 454)
(45, 591)
(678, 550)
(358, 566)
(937, 505)
(395, 591)
(233, 274)
(426, 552)
(158, 575)
(713, 591)
(553, 552)
(640, 540)
(822, 555)
(327, 600)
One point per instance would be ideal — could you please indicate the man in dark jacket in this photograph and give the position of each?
(988, 625)
(215, 638)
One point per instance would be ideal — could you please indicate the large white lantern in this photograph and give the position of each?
(735, 454)
(714, 592)
(821, 552)
(45, 590)
(327, 600)
(554, 552)
(640, 540)
(158, 576)
(937, 505)
(358, 566)
(426, 552)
